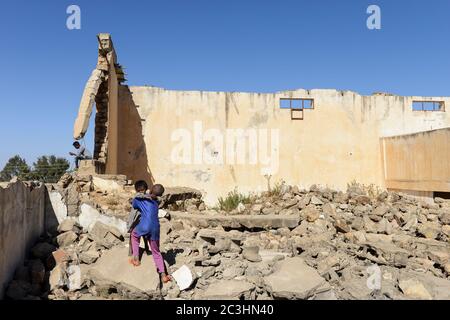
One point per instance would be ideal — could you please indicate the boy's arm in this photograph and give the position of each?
(81, 152)
(135, 204)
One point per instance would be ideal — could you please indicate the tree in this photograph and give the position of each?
(49, 169)
(16, 166)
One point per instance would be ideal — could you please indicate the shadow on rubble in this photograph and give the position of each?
(170, 255)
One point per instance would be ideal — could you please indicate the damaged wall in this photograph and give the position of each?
(418, 161)
(337, 142)
(22, 221)
(25, 214)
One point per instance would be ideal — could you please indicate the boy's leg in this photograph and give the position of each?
(135, 245)
(157, 256)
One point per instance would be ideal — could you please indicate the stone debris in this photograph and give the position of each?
(183, 277)
(414, 289)
(104, 235)
(67, 225)
(229, 290)
(66, 239)
(251, 254)
(294, 279)
(316, 244)
(238, 222)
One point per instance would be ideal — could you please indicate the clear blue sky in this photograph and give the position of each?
(226, 45)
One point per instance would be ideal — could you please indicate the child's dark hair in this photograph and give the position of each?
(140, 186)
(158, 190)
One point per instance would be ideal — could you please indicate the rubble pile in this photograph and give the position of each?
(290, 244)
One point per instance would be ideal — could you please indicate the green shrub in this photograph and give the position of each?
(276, 190)
(232, 200)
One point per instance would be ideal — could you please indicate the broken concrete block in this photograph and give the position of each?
(302, 229)
(381, 210)
(341, 226)
(310, 213)
(329, 209)
(272, 256)
(232, 272)
(429, 230)
(316, 201)
(294, 279)
(89, 256)
(251, 254)
(74, 278)
(414, 289)
(107, 185)
(362, 199)
(257, 208)
(89, 216)
(72, 200)
(208, 234)
(105, 235)
(268, 211)
(66, 239)
(290, 203)
(58, 207)
(58, 277)
(162, 213)
(445, 216)
(113, 268)
(183, 277)
(56, 258)
(229, 290)
(66, 225)
(220, 245)
(237, 222)
(174, 194)
(446, 230)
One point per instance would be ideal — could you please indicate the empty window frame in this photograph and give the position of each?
(428, 106)
(296, 103)
(297, 106)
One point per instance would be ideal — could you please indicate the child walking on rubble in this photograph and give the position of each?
(148, 226)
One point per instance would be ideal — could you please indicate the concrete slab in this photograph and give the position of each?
(113, 266)
(228, 290)
(294, 279)
(247, 221)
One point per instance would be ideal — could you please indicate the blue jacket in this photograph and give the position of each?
(149, 223)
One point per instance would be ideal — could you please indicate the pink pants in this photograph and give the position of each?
(154, 246)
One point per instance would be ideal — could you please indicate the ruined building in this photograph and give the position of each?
(215, 141)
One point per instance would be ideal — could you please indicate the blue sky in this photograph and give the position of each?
(226, 45)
